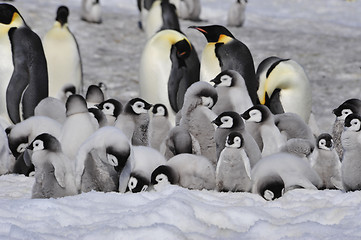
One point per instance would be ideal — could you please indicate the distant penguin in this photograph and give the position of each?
(327, 164)
(134, 121)
(62, 55)
(225, 52)
(143, 7)
(197, 117)
(352, 105)
(232, 93)
(91, 11)
(103, 162)
(188, 9)
(186, 170)
(280, 172)
(162, 15)
(228, 122)
(351, 161)
(285, 87)
(52, 108)
(66, 91)
(77, 127)
(237, 13)
(54, 172)
(159, 126)
(168, 66)
(111, 108)
(94, 95)
(271, 136)
(233, 172)
(145, 161)
(23, 71)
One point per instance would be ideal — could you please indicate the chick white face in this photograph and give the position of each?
(22, 147)
(162, 178)
(108, 109)
(355, 125)
(132, 184)
(207, 102)
(38, 145)
(139, 107)
(237, 142)
(322, 144)
(344, 113)
(160, 111)
(227, 122)
(226, 81)
(255, 115)
(112, 160)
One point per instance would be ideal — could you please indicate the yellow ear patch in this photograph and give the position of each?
(16, 21)
(224, 38)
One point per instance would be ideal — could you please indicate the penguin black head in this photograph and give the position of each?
(224, 78)
(183, 48)
(325, 141)
(75, 104)
(234, 140)
(229, 119)
(62, 15)
(160, 110)
(137, 106)
(7, 14)
(163, 174)
(118, 158)
(98, 115)
(209, 97)
(273, 187)
(213, 32)
(45, 141)
(94, 94)
(18, 145)
(257, 113)
(111, 107)
(353, 122)
(137, 183)
(346, 109)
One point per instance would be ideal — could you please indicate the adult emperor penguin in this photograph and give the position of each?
(103, 162)
(188, 9)
(228, 122)
(91, 11)
(280, 172)
(62, 55)
(168, 66)
(327, 163)
(23, 71)
(351, 161)
(232, 93)
(159, 126)
(223, 52)
(186, 170)
(237, 13)
(349, 106)
(233, 172)
(54, 171)
(284, 87)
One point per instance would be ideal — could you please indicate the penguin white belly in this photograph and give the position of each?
(210, 67)
(297, 102)
(240, 99)
(63, 60)
(154, 21)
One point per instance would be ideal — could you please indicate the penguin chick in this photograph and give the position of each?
(111, 108)
(54, 172)
(99, 116)
(236, 13)
(159, 126)
(52, 108)
(327, 164)
(91, 11)
(351, 161)
(271, 137)
(232, 93)
(233, 172)
(134, 121)
(94, 96)
(6, 160)
(186, 170)
(65, 92)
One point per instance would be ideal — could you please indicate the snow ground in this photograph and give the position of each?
(322, 35)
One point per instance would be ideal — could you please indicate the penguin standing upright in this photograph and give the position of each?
(159, 126)
(62, 55)
(23, 70)
(236, 13)
(223, 52)
(91, 11)
(169, 65)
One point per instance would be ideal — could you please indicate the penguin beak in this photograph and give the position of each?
(199, 29)
(148, 106)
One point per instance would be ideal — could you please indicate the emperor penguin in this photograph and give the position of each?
(62, 55)
(94, 95)
(51, 107)
(112, 108)
(23, 70)
(169, 65)
(228, 122)
(134, 121)
(99, 116)
(91, 11)
(54, 171)
(7, 161)
(197, 117)
(351, 161)
(349, 106)
(159, 126)
(237, 13)
(78, 126)
(271, 136)
(103, 162)
(145, 161)
(186, 170)
(233, 172)
(285, 87)
(143, 7)
(188, 9)
(327, 163)
(278, 173)
(223, 52)
(232, 93)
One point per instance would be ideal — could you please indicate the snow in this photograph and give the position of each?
(322, 35)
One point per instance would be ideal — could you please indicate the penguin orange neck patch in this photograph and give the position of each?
(224, 38)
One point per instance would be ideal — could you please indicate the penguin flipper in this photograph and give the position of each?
(59, 170)
(274, 103)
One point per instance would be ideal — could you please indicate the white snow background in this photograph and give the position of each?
(324, 36)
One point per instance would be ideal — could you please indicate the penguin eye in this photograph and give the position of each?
(21, 148)
(237, 140)
(322, 142)
(346, 112)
